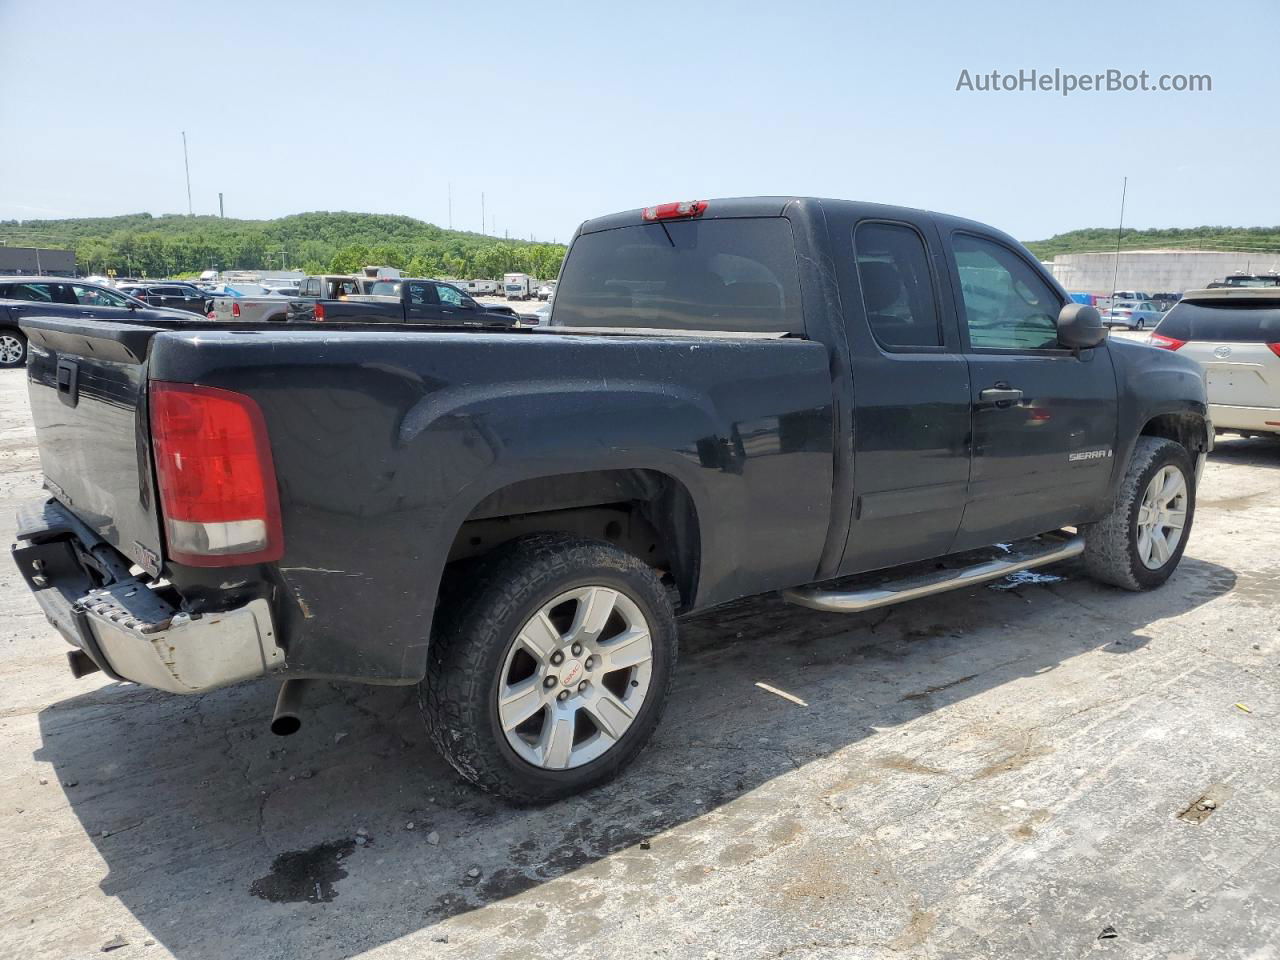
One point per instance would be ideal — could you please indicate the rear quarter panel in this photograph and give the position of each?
(384, 443)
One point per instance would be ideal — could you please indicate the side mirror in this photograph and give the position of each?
(1080, 326)
(469, 305)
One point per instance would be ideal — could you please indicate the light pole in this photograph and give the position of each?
(186, 166)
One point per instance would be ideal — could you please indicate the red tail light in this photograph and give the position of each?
(1274, 348)
(673, 211)
(235, 309)
(1165, 343)
(216, 477)
(319, 314)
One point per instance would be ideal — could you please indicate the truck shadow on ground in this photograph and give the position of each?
(1255, 452)
(224, 841)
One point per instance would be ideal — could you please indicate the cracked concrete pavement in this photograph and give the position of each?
(990, 773)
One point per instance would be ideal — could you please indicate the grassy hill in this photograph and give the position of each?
(142, 245)
(1263, 240)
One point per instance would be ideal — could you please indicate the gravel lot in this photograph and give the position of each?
(998, 772)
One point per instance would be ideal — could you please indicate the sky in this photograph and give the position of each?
(557, 112)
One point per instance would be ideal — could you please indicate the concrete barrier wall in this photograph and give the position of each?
(1154, 271)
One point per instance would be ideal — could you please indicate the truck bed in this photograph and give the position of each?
(386, 440)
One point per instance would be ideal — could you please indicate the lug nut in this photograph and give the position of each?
(557, 658)
(549, 682)
(582, 686)
(591, 662)
(577, 649)
(563, 695)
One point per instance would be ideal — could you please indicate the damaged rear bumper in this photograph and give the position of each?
(130, 630)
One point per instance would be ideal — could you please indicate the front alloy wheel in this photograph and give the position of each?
(1162, 516)
(1138, 543)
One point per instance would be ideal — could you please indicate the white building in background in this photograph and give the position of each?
(1152, 271)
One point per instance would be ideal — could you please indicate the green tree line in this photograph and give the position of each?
(1264, 240)
(141, 245)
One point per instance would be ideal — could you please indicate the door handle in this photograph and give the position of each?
(1000, 394)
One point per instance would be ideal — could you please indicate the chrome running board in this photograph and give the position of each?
(1020, 555)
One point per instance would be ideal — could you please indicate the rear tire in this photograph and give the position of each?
(1132, 547)
(511, 697)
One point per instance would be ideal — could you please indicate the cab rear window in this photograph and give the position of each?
(732, 274)
(1235, 321)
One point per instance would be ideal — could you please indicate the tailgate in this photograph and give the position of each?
(222, 308)
(87, 382)
(1238, 374)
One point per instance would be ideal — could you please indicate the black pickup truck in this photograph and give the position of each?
(409, 300)
(849, 403)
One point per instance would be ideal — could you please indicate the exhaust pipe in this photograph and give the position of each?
(287, 720)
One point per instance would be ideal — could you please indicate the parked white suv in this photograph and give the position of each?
(1234, 334)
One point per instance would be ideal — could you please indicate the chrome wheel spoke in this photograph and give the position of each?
(626, 650)
(556, 744)
(1144, 545)
(540, 636)
(610, 715)
(1159, 547)
(518, 703)
(595, 606)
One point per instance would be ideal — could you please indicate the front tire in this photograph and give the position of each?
(550, 669)
(13, 349)
(1138, 544)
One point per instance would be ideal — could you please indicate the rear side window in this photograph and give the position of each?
(1235, 321)
(422, 295)
(37, 292)
(897, 287)
(735, 275)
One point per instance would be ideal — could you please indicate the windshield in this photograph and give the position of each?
(731, 274)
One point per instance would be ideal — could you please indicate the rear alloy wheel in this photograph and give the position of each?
(13, 349)
(550, 665)
(575, 677)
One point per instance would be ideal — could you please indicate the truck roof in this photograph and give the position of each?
(775, 206)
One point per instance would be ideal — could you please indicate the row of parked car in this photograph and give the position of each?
(374, 298)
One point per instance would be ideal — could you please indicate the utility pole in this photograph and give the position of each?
(187, 166)
(222, 214)
(1115, 277)
(482, 220)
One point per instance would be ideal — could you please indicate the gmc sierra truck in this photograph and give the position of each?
(848, 403)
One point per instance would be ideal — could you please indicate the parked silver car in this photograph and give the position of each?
(1134, 314)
